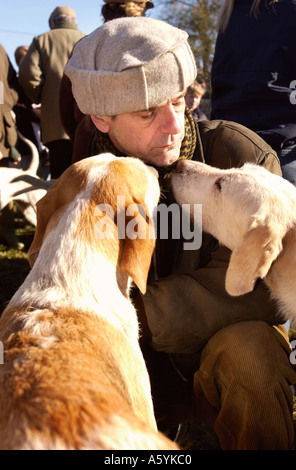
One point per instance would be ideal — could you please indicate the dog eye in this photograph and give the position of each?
(218, 184)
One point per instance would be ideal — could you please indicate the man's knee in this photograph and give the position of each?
(245, 374)
(249, 348)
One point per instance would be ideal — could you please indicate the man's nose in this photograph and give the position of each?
(169, 120)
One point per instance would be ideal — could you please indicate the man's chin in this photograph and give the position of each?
(164, 159)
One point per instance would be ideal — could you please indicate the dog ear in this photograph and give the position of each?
(138, 249)
(62, 192)
(136, 260)
(252, 259)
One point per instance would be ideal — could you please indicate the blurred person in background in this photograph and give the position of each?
(193, 98)
(40, 76)
(28, 123)
(9, 94)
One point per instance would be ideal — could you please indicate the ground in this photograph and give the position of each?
(14, 267)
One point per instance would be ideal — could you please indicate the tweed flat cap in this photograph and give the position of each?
(128, 65)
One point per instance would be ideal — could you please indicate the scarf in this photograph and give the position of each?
(102, 144)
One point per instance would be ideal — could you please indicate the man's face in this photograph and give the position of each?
(155, 136)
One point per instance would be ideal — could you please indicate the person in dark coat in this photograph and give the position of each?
(254, 73)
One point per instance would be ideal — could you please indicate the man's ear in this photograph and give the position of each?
(101, 123)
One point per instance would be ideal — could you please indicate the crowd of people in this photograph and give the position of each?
(130, 88)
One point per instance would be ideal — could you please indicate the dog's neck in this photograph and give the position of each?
(281, 279)
(72, 272)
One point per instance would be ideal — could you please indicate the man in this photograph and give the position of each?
(40, 75)
(73, 120)
(210, 357)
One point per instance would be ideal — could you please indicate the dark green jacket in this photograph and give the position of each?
(186, 301)
(41, 74)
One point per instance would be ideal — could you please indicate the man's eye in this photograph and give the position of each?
(179, 103)
(147, 115)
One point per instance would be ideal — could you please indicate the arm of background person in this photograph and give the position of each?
(30, 73)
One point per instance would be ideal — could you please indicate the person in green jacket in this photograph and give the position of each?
(40, 75)
(211, 357)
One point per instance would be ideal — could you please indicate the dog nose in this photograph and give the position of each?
(180, 166)
(184, 165)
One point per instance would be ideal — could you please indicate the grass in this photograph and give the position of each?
(14, 267)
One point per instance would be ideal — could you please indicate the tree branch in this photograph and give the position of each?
(183, 3)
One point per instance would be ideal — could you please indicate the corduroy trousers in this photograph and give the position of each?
(239, 384)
